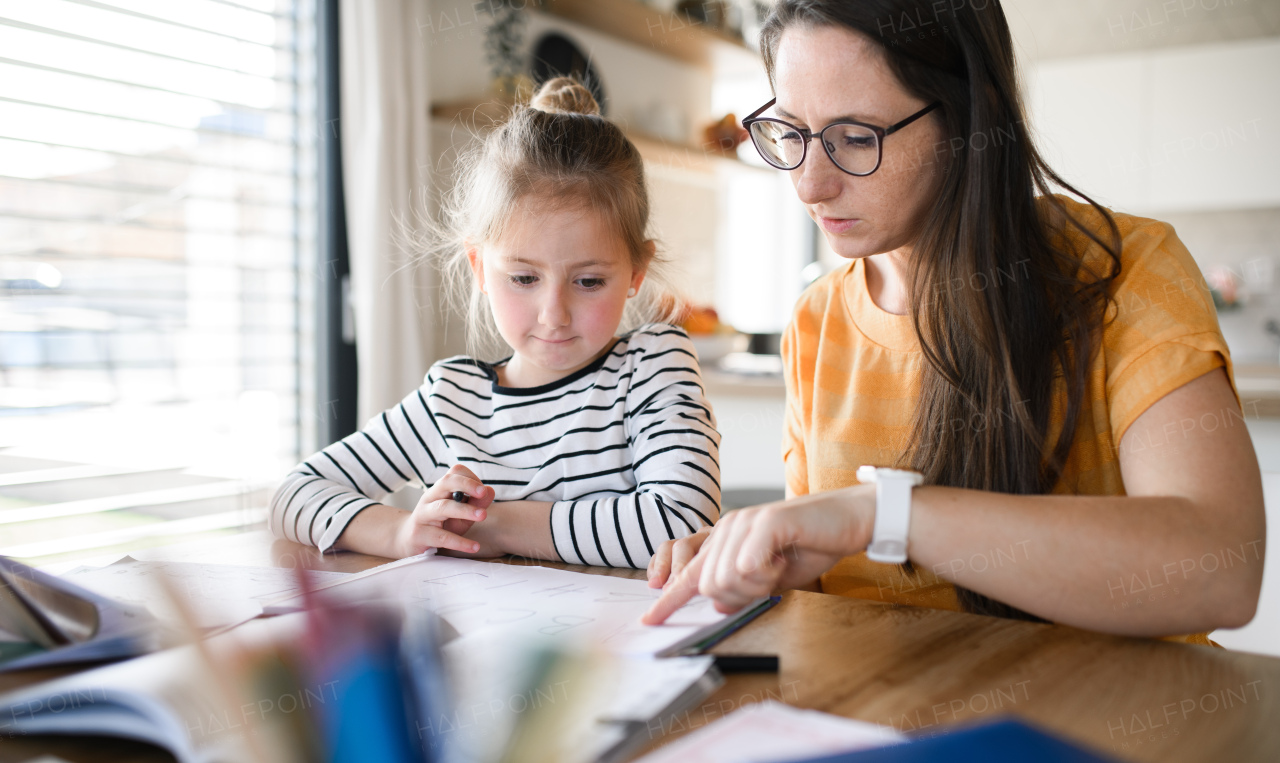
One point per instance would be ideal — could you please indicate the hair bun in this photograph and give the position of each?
(562, 95)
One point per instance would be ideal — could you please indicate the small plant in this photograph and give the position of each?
(504, 43)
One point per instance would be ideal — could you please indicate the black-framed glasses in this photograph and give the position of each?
(854, 147)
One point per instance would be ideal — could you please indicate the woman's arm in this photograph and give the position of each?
(1181, 553)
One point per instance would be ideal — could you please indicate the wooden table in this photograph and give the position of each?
(913, 669)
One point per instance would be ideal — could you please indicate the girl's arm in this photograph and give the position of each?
(323, 494)
(1181, 553)
(522, 528)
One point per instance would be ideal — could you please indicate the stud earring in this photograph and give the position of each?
(631, 292)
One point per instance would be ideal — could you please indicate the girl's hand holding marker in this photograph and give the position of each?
(444, 514)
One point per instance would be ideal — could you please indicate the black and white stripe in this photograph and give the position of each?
(626, 449)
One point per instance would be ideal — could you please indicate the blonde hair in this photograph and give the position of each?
(559, 149)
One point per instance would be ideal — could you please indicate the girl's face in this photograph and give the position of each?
(823, 74)
(557, 283)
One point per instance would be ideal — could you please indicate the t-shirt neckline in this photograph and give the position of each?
(491, 369)
(895, 332)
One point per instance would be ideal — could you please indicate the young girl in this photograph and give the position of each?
(582, 445)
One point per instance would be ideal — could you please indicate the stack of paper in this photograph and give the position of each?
(476, 597)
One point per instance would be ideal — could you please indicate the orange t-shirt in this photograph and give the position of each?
(853, 380)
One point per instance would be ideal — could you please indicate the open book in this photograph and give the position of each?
(171, 699)
(46, 620)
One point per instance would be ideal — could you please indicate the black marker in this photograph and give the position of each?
(461, 497)
(747, 663)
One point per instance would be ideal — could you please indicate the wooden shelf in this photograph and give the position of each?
(483, 114)
(479, 113)
(670, 33)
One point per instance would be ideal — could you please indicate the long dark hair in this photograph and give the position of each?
(1022, 326)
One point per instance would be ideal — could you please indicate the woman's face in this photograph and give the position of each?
(823, 74)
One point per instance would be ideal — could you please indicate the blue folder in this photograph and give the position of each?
(1007, 740)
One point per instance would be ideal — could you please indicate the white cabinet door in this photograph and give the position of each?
(1171, 130)
(1215, 126)
(1089, 123)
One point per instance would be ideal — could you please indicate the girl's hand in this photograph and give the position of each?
(673, 555)
(438, 521)
(756, 551)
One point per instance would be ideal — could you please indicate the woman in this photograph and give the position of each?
(1055, 372)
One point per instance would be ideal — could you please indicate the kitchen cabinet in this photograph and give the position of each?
(1167, 130)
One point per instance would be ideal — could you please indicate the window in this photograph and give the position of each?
(156, 228)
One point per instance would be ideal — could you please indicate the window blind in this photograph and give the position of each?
(157, 218)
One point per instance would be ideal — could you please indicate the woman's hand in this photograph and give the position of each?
(673, 555)
(440, 522)
(754, 552)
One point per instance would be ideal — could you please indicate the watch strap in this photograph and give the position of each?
(893, 512)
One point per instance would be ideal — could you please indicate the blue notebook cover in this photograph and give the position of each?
(1008, 740)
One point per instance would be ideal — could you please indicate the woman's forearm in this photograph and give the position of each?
(1141, 566)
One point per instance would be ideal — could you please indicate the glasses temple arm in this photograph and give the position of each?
(912, 118)
(758, 111)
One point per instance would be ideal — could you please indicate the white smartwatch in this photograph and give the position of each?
(893, 511)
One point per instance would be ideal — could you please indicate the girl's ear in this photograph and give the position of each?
(477, 265)
(638, 274)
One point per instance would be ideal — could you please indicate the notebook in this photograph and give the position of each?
(45, 621)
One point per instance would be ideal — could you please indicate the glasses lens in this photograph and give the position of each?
(855, 149)
(779, 144)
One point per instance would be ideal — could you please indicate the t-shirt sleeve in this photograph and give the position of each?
(1163, 329)
(794, 458)
(320, 497)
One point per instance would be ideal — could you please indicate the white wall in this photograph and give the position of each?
(751, 439)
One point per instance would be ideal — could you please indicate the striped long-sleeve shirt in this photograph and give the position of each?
(626, 449)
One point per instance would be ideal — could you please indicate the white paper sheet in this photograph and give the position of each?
(770, 732)
(218, 594)
(475, 596)
(649, 688)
